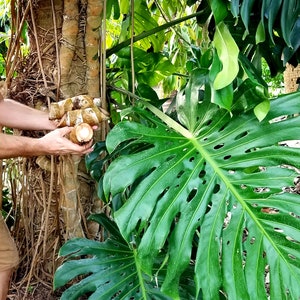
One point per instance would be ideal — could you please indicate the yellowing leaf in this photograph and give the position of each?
(262, 109)
(228, 53)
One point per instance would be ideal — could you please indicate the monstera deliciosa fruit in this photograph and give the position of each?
(208, 190)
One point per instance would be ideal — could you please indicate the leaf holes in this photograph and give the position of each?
(241, 135)
(204, 182)
(222, 128)
(117, 294)
(170, 157)
(180, 174)
(278, 230)
(208, 208)
(192, 195)
(287, 292)
(192, 159)
(163, 193)
(250, 150)
(252, 240)
(291, 256)
(270, 210)
(202, 173)
(227, 220)
(294, 215)
(231, 171)
(200, 95)
(245, 234)
(227, 157)
(261, 190)
(292, 240)
(208, 122)
(216, 189)
(219, 146)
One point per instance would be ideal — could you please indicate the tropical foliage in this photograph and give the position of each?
(200, 194)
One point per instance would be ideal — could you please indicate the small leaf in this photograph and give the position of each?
(219, 9)
(262, 109)
(228, 53)
(145, 91)
(260, 35)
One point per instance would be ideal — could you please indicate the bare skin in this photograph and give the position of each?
(19, 116)
(4, 283)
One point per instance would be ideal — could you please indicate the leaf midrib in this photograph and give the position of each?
(236, 194)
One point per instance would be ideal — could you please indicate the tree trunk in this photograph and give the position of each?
(291, 78)
(56, 193)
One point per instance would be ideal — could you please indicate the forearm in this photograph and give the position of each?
(53, 143)
(16, 115)
(16, 146)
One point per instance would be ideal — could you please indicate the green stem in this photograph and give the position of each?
(140, 275)
(161, 115)
(145, 34)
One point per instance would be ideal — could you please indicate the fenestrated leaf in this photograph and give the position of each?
(109, 270)
(222, 181)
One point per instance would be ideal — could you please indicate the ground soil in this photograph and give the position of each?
(38, 292)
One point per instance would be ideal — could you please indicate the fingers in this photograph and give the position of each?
(61, 145)
(64, 130)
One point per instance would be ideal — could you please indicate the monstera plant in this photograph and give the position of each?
(201, 204)
(201, 194)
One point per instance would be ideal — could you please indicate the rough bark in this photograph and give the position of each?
(56, 192)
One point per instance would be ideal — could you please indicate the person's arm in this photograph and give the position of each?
(53, 143)
(19, 116)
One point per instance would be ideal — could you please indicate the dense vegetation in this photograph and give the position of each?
(195, 169)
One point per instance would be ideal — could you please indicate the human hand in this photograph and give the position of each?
(56, 143)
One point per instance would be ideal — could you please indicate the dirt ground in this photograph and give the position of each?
(37, 292)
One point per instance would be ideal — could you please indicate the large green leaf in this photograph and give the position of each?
(109, 270)
(289, 18)
(220, 182)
